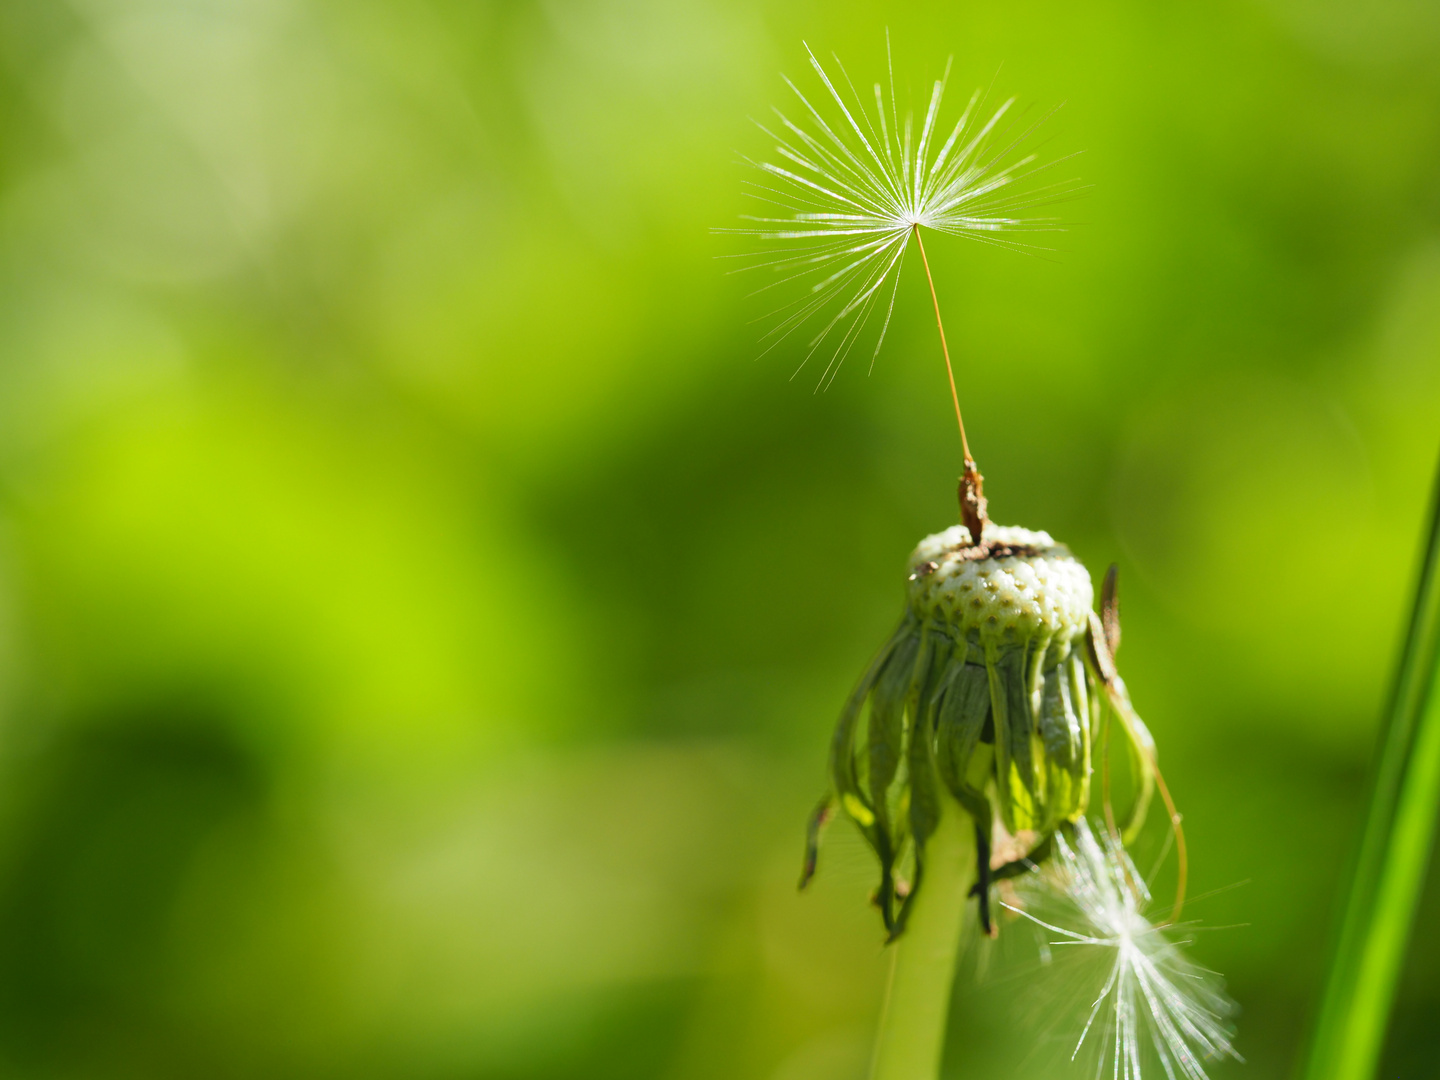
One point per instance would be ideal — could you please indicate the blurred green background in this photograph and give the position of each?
(422, 617)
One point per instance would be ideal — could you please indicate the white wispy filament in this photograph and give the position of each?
(1153, 995)
(849, 190)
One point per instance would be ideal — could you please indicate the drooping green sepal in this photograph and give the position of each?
(980, 693)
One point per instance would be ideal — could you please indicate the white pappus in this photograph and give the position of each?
(853, 182)
(1154, 1001)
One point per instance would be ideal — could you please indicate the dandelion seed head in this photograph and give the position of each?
(851, 180)
(1153, 1004)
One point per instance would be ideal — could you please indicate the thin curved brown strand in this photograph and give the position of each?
(1098, 642)
(1109, 807)
(1181, 856)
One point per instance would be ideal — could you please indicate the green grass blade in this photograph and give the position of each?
(1390, 868)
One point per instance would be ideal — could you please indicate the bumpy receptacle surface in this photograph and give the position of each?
(1027, 585)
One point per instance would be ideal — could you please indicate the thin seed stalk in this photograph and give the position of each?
(1389, 871)
(972, 485)
(944, 345)
(911, 1038)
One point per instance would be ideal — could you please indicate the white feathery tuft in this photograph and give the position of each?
(1153, 999)
(849, 190)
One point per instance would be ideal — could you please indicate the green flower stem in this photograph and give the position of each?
(917, 1000)
(1389, 872)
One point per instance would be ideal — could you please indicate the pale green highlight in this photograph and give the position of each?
(911, 1039)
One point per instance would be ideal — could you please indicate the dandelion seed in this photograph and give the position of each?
(853, 182)
(976, 721)
(1153, 998)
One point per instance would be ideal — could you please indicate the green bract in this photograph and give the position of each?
(985, 689)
